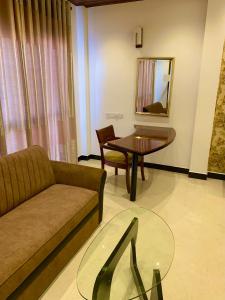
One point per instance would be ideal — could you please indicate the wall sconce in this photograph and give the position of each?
(139, 37)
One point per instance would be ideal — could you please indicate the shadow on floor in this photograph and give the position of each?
(155, 189)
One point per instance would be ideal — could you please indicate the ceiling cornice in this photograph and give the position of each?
(91, 3)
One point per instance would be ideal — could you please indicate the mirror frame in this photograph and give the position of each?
(172, 59)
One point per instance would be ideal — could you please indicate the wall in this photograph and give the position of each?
(172, 28)
(208, 85)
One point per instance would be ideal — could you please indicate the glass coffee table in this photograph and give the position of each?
(129, 257)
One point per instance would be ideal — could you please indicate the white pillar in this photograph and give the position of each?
(81, 78)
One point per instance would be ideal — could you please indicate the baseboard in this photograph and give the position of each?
(93, 156)
(216, 176)
(87, 157)
(166, 168)
(146, 164)
(83, 157)
(197, 175)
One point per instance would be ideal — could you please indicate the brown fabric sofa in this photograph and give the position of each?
(48, 209)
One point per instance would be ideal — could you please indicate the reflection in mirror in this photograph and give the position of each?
(154, 80)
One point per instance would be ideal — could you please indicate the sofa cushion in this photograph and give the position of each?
(31, 231)
(22, 175)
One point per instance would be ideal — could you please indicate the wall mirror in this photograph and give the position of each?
(154, 85)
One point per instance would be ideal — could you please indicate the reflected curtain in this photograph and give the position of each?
(36, 77)
(145, 89)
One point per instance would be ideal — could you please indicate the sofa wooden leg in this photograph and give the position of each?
(116, 171)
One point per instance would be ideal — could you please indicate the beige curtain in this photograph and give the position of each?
(36, 77)
(145, 89)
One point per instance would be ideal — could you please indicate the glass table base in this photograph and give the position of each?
(128, 258)
(102, 286)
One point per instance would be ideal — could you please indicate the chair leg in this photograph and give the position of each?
(142, 169)
(116, 171)
(103, 165)
(128, 179)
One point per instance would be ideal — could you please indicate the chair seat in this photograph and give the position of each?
(113, 158)
(118, 157)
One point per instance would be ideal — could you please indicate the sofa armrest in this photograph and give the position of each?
(81, 176)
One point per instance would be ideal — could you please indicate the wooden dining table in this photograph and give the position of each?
(145, 140)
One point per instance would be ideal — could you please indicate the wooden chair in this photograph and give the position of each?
(116, 158)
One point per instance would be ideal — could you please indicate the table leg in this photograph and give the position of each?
(136, 274)
(134, 177)
(102, 286)
(156, 292)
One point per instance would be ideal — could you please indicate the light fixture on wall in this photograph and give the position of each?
(139, 37)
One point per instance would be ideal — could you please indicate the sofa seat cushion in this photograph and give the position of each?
(30, 232)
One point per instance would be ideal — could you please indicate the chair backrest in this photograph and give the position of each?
(154, 108)
(105, 134)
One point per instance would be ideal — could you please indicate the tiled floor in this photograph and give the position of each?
(194, 210)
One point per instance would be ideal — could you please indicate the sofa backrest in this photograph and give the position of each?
(22, 175)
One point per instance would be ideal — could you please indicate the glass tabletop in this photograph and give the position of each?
(154, 250)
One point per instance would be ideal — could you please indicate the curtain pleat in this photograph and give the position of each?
(3, 146)
(39, 38)
(20, 25)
